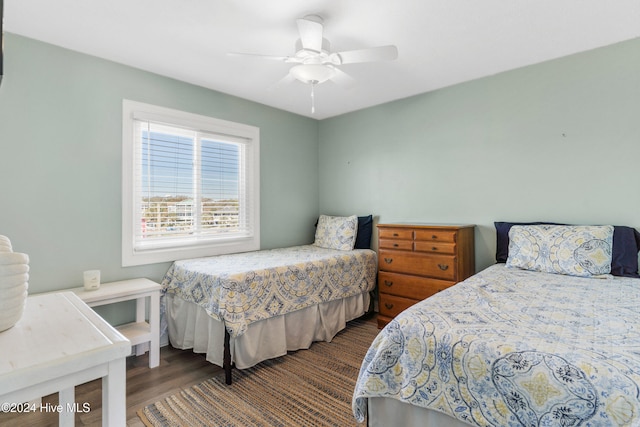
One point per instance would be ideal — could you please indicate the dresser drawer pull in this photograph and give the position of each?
(434, 237)
(388, 260)
(443, 267)
(395, 245)
(389, 306)
(388, 283)
(434, 248)
(395, 234)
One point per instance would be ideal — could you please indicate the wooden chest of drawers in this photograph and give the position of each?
(416, 261)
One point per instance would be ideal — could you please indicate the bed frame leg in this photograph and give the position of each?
(226, 361)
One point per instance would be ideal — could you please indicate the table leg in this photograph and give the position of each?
(67, 400)
(140, 317)
(114, 394)
(154, 323)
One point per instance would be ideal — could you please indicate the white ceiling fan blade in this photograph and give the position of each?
(343, 79)
(380, 53)
(282, 82)
(260, 56)
(310, 33)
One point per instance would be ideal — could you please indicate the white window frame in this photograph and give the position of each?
(132, 252)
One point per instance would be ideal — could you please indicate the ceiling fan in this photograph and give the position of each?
(315, 63)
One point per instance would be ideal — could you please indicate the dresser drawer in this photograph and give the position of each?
(391, 305)
(413, 287)
(405, 245)
(435, 247)
(395, 234)
(436, 266)
(436, 235)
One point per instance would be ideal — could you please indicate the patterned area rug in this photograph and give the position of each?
(305, 388)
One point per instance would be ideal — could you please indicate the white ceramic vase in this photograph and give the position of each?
(14, 282)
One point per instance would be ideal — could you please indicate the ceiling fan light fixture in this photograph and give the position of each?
(312, 73)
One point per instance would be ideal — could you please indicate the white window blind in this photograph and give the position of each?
(193, 187)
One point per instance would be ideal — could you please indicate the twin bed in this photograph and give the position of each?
(261, 304)
(549, 337)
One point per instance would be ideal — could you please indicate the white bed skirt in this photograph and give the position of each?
(385, 412)
(190, 327)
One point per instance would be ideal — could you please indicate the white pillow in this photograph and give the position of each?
(573, 250)
(336, 232)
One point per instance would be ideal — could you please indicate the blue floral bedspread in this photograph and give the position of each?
(509, 347)
(239, 289)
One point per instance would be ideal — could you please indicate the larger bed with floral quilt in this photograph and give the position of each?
(551, 337)
(241, 309)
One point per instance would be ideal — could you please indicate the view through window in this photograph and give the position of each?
(190, 183)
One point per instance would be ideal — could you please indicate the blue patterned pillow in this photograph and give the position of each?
(573, 250)
(336, 232)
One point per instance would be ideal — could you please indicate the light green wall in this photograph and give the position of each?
(60, 160)
(554, 141)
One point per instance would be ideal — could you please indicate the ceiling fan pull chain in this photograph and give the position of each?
(313, 98)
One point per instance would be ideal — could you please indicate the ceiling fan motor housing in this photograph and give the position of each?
(314, 66)
(302, 52)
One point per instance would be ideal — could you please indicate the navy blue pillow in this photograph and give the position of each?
(365, 228)
(624, 257)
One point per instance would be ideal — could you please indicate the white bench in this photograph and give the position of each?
(140, 332)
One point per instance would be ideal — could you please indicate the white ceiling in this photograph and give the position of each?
(440, 42)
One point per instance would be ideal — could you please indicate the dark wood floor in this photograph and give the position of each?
(178, 370)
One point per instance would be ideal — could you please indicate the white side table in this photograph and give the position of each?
(140, 331)
(57, 344)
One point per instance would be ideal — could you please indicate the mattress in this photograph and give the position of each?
(510, 347)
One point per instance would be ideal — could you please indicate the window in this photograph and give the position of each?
(190, 185)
